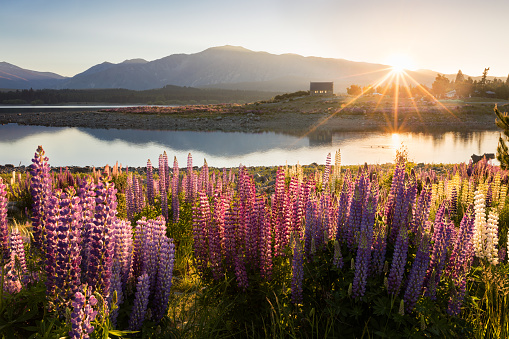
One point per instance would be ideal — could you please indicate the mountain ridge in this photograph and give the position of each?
(229, 67)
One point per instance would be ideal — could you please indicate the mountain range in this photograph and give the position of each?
(227, 67)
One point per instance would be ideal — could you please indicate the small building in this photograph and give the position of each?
(451, 94)
(321, 88)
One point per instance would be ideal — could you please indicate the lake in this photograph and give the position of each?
(97, 147)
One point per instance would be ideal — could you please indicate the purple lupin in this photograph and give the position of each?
(417, 274)
(201, 222)
(4, 231)
(175, 191)
(163, 164)
(140, 303)
(102, 244)
(362, 261)
(216, 233)
(297, 273)
(40, 187)
(398, 261)
(129, 197)
(150, 183)
(82, 315)
(164, 277)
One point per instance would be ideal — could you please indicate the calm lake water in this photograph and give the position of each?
(98, 147)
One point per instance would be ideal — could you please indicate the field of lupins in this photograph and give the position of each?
(358, 252)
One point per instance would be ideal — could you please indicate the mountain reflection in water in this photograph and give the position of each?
(97, 147)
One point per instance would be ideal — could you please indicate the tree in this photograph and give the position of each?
(459, 77)
(502, 121)
(368, 90)
(484, 76)
(440, 86)
(354, 90)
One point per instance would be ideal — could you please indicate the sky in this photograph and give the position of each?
(69, 36)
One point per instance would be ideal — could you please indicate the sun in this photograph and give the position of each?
(400, 62)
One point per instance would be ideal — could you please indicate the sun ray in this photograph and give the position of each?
(320, 123)
(388, 69)
(398, 81)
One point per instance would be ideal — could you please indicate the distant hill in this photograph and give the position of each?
(226, 67)
(14, 77)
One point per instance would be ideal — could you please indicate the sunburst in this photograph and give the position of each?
(402, 81)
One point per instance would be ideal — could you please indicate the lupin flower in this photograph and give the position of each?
(491, 251)
(401, 307)
(18, 258)
(163, 190)
(102, 245)
(240, 270)
(129, 198)
(201, 221)
(140, 303)
(175, 191)
(338, 258)
(361, 266)
(457, 297)
(4, 231)
(310, 224)
(355, 215)
(87, 195)
(480, 224)
(297, 273)
(365, 244)
(379, 246)
(139, 197)
(40, 187)
(463, 242)
(265, 247)
(164, 276)
(326, 173)
(150, 183)
(122, 260)
(216, 234)
(417, 274)
(82, 315)
(398, 261)
(115, 290)
(230, 242)
(343, 208)
(395, 192)
(190, 189)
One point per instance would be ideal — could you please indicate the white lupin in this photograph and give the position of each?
(491, 251)
(479, 224)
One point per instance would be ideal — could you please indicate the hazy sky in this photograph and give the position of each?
(69, 36)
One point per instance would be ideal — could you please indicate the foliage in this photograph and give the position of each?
(312, 233)
(165, 96)
(502, 122)
(440, 86)
(286, 96)
(354, 90)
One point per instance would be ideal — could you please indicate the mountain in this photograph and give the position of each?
(233, 67)
(15, 77)
(227, 67)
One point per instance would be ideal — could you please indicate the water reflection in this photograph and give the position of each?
(97, 147)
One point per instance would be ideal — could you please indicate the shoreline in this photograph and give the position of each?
(294, 117)
(251, 121)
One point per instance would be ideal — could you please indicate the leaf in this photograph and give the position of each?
(119, 333)
(380, 307)
(381, 334)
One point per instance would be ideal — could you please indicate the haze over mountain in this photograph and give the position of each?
(228, 67)
(14, 77)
